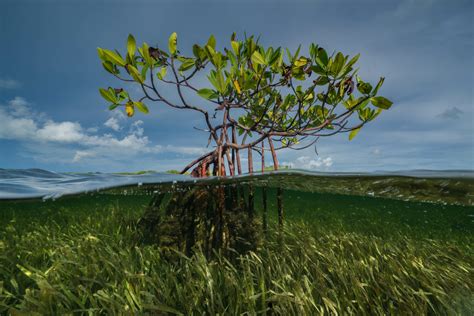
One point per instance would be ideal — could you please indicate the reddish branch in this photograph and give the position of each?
(227, 147)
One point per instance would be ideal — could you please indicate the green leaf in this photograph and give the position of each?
(107, 95)
(206, 93)
(379, 84)
(212, 79)
(211, 42)
(144, 71)
(257, 58)
(131, 45)
(113, 57)
(141, 107)
(101, 54)
(113, 106)
(221, 84)
(135, 74)
(322, 59)
(297, 52)
(161, 75)
(300, 62)
(217, 60)
(354, 133)
(109, 67)
(364, 87)
(337, 64)
(197, 51)
(235, 47)
(172, 43)
(374, 115)
(321, 81)
(353, 61)
(144, 51)
(187, 64)
(210, 51)
(381, 102)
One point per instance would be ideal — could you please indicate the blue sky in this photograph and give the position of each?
(52, 117)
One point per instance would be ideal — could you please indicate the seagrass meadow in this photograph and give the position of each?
(406, 249)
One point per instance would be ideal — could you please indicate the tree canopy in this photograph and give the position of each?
(256, 95)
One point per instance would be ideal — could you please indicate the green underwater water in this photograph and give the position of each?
(347, 245)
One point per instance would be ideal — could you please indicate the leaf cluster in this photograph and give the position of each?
(281, 94)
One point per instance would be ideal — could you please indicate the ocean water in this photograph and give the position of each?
(435, 204)
(428, 215)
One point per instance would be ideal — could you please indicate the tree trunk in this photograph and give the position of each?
(250, 161)
(230, 162)
(219, 161)
(234, 140)
(263, 156)
(274, 156)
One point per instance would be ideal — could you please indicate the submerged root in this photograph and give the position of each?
(212, 219)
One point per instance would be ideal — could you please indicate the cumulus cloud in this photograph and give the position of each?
(114, 121)
(113, 124)
(19, 107)
(16, 128)
(137, 128)
(67, 132)
(17, 122)
(9, 84)
(306, 162)
(82, 154)
(452, 113)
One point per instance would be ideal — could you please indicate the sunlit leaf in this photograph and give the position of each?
(381, 102)
(353, 133)
(257, 58)
(162, 73)
(172, 43)
(379, 84)
(131, 45)
(235, 47)
(135, 74)
(129, 109)
(211, 42)
(206, 93)
(302, 61)
(107, 95)
(237, 86)
(141, 107)
(113, 57)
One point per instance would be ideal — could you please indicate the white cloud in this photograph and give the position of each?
(19, 107)
(114, 121)
(18, 122)
(16, 128)
(9, 84)
(113, 124)
(136, 128)
(306, 162)
(92, 129)
(68, 132)
(82, 154)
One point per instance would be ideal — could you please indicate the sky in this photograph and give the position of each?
(52, 116)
